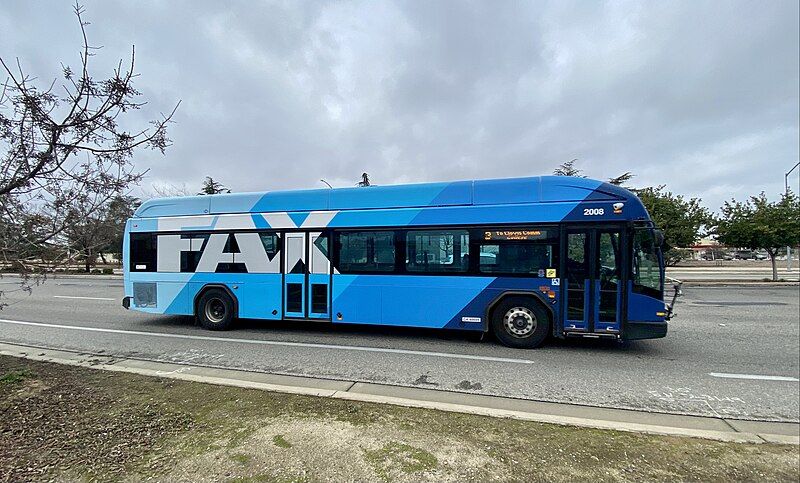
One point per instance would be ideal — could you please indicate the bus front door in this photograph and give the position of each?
(592, 273)
(306, 291)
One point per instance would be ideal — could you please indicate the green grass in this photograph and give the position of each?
(14, 377)
(241, 458)
(400, 456)
(281, 442)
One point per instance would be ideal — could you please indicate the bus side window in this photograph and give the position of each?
(646, 266)
(365, 251)
(516, 257)
(143, 252)
(437, 251)
(272, 243)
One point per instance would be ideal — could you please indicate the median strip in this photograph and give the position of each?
(103, 425)
(546, 412)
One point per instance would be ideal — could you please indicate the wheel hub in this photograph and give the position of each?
(215, 310)
(519, 322)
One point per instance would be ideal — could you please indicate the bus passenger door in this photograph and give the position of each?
(319, 276)
(578, 277)
(294, 278)
(593, 292)
(307, 276)
(607, 281)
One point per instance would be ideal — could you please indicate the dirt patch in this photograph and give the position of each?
(62, 423)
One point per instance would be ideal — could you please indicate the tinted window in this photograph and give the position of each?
(271, 242)
(143, 252)
(366, 251)
(646, 264)
(437, 251)
(516, 257)
(190, 259)
(609, 272)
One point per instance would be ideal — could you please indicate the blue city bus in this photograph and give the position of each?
(523, 258)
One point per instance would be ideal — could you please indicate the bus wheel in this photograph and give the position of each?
(520, 322)
(215, 310)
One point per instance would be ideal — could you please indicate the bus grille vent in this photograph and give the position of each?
(144, 294)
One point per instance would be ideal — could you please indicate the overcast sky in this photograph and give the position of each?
(700, 96)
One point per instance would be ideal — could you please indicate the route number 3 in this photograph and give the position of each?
(593, 211)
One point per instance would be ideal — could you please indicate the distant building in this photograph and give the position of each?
(707, 248)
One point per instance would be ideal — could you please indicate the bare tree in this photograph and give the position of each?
(87, 234)
(62, 146)
(167, 190)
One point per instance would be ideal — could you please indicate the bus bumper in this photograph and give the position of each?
(645, 330)
(126, 302)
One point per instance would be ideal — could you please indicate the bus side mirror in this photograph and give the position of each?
(659, 237)
(676, 286)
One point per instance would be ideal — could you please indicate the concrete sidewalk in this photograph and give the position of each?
(566, 414)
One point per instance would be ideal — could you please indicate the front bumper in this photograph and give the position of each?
(126, 302)
(644, 330)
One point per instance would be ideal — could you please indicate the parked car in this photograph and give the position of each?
(716, 255)
(744, 255)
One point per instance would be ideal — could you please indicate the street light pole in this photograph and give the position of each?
(786, 191)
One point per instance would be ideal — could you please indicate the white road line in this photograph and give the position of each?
(81, 298)
(753, 376)
(274, 343)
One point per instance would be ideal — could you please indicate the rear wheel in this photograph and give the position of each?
(520, 322)
(215, 310)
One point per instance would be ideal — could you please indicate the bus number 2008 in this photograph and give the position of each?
(593, 211)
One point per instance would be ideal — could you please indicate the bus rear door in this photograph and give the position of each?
(307, 275)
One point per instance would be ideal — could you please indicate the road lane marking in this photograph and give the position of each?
(81, 298)
(274, 343)
(753, 376)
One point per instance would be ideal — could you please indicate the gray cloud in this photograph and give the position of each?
(700, 96)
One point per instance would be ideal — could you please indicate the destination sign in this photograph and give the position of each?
(515, 234)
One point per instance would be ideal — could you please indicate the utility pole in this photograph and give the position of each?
(786, 191)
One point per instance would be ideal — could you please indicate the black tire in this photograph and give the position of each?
(215, 310)
(527, 326)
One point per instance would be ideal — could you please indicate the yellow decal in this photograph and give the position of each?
(551, 273)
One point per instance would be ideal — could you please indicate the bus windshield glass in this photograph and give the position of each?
(646, 264)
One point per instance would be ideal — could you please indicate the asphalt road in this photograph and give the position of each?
(732, 351)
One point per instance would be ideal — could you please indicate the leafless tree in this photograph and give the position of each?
(62, 145)
(167, 190)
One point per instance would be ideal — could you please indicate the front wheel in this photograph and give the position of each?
(520, 322)
(215, 310)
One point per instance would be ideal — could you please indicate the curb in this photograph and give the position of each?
(737, 283)
(719, 429)
(62, 276)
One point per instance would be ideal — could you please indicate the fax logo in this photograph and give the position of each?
(251, 254)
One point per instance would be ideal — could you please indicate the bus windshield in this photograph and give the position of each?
(647, 275)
